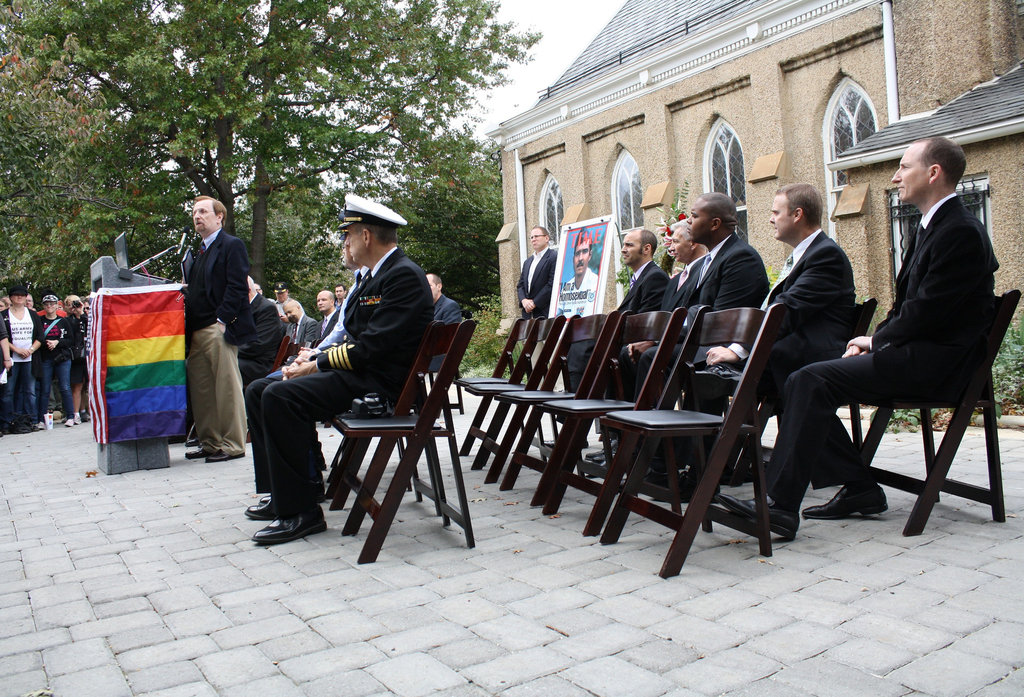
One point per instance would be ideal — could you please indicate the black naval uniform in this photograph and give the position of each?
(385, 323)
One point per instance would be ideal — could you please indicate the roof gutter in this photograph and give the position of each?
(894, 152)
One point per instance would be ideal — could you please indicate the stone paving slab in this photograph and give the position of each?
(147, 583)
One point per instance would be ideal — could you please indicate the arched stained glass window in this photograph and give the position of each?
(849, 119)
(551, 208)
(627, 193)
(724, 170)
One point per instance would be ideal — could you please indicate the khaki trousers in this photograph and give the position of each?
(215, 388)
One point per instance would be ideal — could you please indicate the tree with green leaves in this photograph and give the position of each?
(265, 105)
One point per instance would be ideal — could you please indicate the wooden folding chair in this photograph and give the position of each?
(579, 414)
(511, 369)
(601, 329)
(977, 394)
(285, 349)
(755, 328)
(418, 431)
(547, 334)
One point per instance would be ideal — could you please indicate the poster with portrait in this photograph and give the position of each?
(581, 273)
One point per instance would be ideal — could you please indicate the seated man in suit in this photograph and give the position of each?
(538, 276)
(926, 348)
(256, 358)
(446, 310)
(815, 285)
(303, 329)
(325, 303)
(385, 318)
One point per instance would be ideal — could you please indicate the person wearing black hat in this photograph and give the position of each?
(218, 320)
(283, 296)
(385, 318)
(25, 333)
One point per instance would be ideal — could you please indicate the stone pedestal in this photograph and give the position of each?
(126, 456)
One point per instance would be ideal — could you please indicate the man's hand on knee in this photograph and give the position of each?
(858, 346)
(297, 370)
(637, 349)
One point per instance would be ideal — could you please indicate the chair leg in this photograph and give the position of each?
(365, 502)
(855, 426)
(349, 458)
(995, 468)
(937, 474)
(563, 457)
(612, 481)
(489, 442)
(504, 446)
(478, 420)
(879, 422)
(522, 450)
(385, 513)
(634, 480)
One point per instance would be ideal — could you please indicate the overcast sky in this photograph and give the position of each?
(568, 26)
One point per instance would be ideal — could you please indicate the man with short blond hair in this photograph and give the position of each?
(926, 347)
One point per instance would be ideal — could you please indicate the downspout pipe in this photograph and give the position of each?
(892, 93)
(520, 208)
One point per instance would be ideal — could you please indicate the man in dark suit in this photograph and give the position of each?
(217, 321)
(325, 303)
(256, 358)
(730, 275)
(303, 329)
(385, 319)
(647, 282)
(815, 285)
(538, 276)
(446, 310)
(925, 348)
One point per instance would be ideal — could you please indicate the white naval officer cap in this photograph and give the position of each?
(361, 210)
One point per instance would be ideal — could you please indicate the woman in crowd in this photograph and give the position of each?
(25, 333)
(55, 360)
(79, 322)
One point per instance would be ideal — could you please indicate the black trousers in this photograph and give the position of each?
(813, 445)
(282, 424)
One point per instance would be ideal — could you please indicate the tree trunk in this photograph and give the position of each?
(258, 245)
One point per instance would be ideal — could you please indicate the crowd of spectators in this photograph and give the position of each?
(41, 348)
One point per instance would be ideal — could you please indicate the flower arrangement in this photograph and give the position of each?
(675, 213)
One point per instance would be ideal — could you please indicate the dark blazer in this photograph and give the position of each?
(227, 264)
(736, 278)
(647, 293)
(331, 324)
(385, 323)
(674, 296)
(256, 358)
(944, 301)
(447, 311)
(820, 309)
(543, 280)
(306, 332)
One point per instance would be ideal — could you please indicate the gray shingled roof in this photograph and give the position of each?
(642, 27)
(993, 102)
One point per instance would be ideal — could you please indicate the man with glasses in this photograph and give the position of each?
(534, 287)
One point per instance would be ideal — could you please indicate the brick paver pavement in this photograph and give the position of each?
(147, 584)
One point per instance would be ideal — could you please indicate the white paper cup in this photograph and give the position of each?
(48, 420)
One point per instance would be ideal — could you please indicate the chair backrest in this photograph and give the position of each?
(862, 317)
(1005, 306)
(517, 334)
(600, 329)
(654, 383)
(284, 350)
(452, 340)
(549, 334)
(646, 326)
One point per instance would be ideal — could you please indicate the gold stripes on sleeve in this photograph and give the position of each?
(337, 357)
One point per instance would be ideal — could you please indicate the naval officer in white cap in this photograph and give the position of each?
(385, 322)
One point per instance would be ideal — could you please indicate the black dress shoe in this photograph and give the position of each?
(197, 454)
(782, 522)
(844, 504)
(261, 511)
(221, 456)
(293, 528)
(192, 443)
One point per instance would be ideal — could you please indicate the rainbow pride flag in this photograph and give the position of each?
(137, 364)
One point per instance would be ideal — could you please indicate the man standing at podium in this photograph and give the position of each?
(217, 320)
